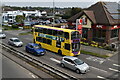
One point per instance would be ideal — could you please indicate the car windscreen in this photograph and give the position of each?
(36, 46)
(1, 33)
(78, 61)
(16, 40)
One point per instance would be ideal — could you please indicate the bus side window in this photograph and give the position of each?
(67, 46)
(41, 30)
(54, 32)
(44, 40)
(49, 41)
(36, 30)
(60, 34)
(44, 31)
(66, 35)
(49, 31)
(39, 39)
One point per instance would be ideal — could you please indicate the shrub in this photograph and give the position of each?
(110, 48)
(14, 26)
(104, 44)
(86, 44)
(81, 42)
(94, 44)
(100, 46)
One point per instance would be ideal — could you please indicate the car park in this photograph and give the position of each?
(34, 49)
(15, 42)
(75, 64)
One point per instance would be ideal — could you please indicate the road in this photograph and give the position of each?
(11, 69)
(99, 67)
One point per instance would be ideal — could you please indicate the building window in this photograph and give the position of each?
(84, 32)
(99, 33)
(114, 33)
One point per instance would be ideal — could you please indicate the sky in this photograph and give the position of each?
(57, 0)
(84, 4)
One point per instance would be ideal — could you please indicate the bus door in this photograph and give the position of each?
(66, 49)
(58, 44)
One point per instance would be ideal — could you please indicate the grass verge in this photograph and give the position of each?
(94, 54)
(25, 33)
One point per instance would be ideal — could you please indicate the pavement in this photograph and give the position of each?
(98, 50)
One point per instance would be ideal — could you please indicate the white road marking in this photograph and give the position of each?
(96, 59)
(33, 76)
(102, 77)
(98, 69)
(116, 75)
(111, 60)
(116, 65)
(53, 59)
(114, 70)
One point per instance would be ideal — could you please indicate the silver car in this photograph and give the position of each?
(75, 64)
(15, 42)
(2, 35)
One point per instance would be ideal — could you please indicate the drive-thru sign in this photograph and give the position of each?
(79, 25)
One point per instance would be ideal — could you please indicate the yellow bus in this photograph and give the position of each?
(59, 40)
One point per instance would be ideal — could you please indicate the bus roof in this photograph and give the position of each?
(54, 28)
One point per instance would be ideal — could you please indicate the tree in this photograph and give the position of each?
(20, 18)
(75, 10)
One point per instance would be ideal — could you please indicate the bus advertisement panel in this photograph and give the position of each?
(59, 40)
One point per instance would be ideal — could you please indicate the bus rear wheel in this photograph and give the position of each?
(59, 52)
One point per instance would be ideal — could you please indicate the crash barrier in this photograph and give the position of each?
(38, 63)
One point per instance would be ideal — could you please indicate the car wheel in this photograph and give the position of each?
(9, 43)
(26, 50)
(78, 71)
(62, 65)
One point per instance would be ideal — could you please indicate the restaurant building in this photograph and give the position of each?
(100, 23)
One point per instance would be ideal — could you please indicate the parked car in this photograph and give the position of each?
(15, 42)
(2, 35)
(35, 49)
(75, 64)
(19, 24)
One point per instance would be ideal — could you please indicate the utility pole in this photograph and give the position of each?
(53, 13)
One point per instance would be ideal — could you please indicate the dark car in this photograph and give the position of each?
(34, 49)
